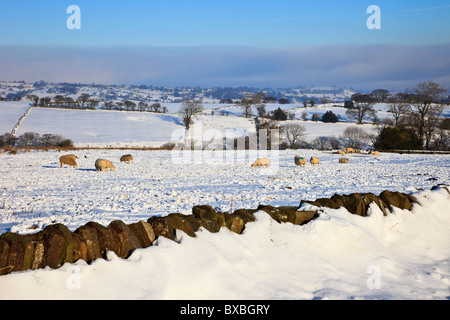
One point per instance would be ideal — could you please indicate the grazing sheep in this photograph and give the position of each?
(261, 162)
(300, 161)
(69, 159)
(103, 165)
(126, 158)
(349, 150)
(344, 160)
(341, 152)
(314, 161)
(375, 153)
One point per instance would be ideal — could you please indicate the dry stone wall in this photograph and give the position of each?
(56, 244)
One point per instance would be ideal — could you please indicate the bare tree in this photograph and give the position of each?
(380, 95)
(363, 107)
(51, 139)
(108, 105)
(188, 109)
(399, 107)
(304, 115)
(261, 110)
(45, 101)
(442, 136)
(69, 101)
(354, 137)
(294, 133)
(130, 105)
(33, 98)
(425, 107)
(250, 100)
(156, 107)
(142, 106)
(335, 142)
(246, 104)
(7, 139)
(29, 139)
(322, 143)
(119, 105)
(83, 99)
(93, 104)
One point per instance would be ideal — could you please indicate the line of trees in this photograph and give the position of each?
(351, 137)
(84, 101)
(415, 113)
(416, 121)
(33, 139)
(129, 105)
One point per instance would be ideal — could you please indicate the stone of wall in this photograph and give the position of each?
(56, 244)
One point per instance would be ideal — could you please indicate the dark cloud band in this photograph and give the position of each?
(360, 67)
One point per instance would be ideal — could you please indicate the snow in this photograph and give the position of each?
(103, 128)
(10, 113)
(404, 255)
(100, 128)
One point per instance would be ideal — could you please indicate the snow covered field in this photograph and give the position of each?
(10, 113)
(405, 255)
(100, 128)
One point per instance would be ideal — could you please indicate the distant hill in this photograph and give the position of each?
(18, 90)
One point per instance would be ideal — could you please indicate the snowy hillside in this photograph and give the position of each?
(10, 113)
(12, 89)
(100, 128)
(103, 128)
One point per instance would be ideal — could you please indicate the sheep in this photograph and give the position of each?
(300, 161)
(261, 162)
(103, 165)
(341, 152)
(126, 158)
(344, 160)
(69, 159)
(314, 161)
(349, 150)
(375, 153)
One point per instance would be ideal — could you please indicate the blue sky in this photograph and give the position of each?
(157, 30)
(261, 23)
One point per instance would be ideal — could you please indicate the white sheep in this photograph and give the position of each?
(69, 159)
(314, 161)
(126, 158)
(300, 161)
(103, 165)
(261, 162)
